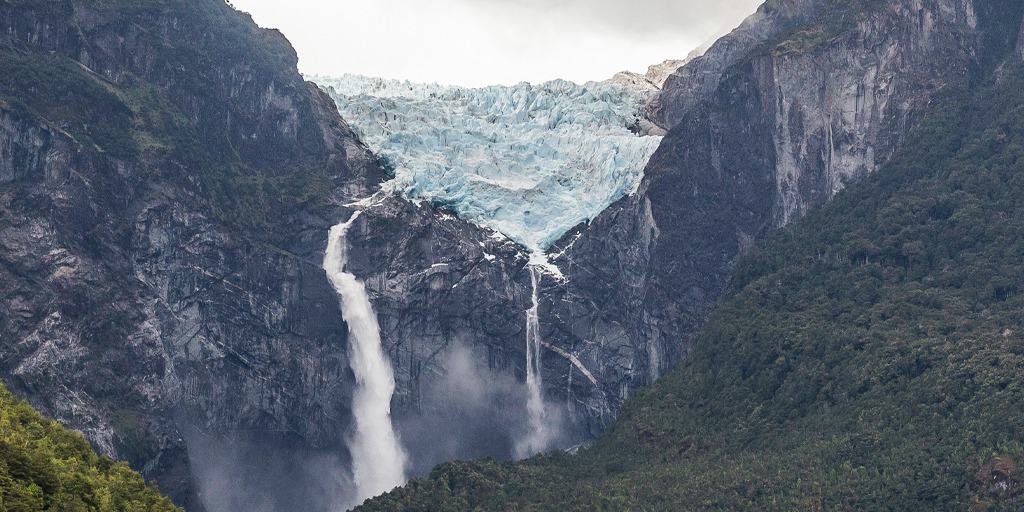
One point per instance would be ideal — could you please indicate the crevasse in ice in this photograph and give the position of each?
(528, 161)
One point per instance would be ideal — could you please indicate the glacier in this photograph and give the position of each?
(528, 161)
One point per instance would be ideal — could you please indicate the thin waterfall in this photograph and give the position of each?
(378, 460)
(538, 437)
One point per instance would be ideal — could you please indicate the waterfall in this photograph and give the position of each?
(378, 460)
(538, 438)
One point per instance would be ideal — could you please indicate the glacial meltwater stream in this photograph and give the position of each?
(538, 438)
(378, 460)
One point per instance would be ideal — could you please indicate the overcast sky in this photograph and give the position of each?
(480, 42)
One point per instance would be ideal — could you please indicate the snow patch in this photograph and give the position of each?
(540, 261)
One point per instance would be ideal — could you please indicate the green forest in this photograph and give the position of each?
(46, 467)
(867, 358)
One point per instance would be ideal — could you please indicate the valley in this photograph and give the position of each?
(779, 274)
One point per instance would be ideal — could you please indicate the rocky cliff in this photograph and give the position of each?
(771, 122)
(167, 180)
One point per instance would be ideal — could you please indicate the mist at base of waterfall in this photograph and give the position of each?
(475, 412)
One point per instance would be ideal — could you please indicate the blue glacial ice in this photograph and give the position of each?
(528, 161)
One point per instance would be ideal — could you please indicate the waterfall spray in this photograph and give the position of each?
(378, 460)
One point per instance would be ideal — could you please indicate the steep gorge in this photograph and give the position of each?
(525, 163)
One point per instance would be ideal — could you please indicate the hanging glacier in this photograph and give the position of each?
(528, 161)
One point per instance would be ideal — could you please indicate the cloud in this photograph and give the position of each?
(640, 18)
(478, 42)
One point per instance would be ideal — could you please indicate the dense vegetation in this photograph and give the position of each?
(867, 358)
(46, 467)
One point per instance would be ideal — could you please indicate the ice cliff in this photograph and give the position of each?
(528, 161)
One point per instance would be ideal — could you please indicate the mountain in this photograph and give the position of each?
(864, 358)
(167, 182)
(44, 466)
(771, 122)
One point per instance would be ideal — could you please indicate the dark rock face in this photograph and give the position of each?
(144, 300)
(658, 256)
(693, 83)
(450, 300)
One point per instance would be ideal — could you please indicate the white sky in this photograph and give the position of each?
(480, 42)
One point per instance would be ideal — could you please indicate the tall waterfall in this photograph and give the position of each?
(378, 460)
(538, 438)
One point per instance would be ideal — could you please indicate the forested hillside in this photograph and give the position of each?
(44, 466)
(867, 358)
